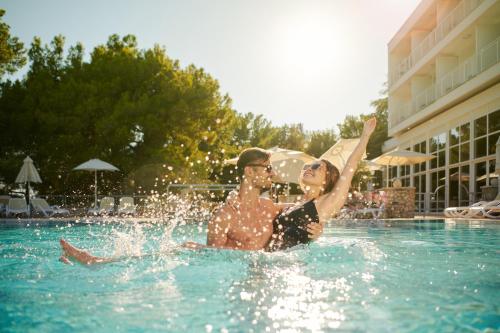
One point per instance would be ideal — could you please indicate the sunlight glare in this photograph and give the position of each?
(306, 44)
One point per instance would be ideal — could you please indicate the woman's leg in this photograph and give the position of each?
(81, 256)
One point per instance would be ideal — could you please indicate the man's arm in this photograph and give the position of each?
(331, 203)
(218, 228)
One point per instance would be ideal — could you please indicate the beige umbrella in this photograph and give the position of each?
(463, 177)
(401, 157)
(371, 166)
(287, 163)
(339, 153)
(28, 174)
(492, 175)
(96, 165)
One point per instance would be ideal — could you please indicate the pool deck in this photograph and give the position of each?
(40, 221)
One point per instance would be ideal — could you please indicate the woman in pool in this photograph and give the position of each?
(325, 192)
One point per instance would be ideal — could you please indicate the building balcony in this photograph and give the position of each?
(443, 29)
(424, 104)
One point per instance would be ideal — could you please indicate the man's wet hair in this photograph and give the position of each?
(250, 156)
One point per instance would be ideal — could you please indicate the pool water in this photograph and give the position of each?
(397, 276)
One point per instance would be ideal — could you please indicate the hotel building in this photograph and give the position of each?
(444, 99)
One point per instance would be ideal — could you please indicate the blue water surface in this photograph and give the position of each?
(397, 276)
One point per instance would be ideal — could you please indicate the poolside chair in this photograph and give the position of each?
(376, 213)
(492, 212)
(41, 206)
(106, 207)
(474, 210)
(489, 209)
(463, 211)
(126, 206)
(16, 206)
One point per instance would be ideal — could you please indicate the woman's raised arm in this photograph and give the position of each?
(330, 203)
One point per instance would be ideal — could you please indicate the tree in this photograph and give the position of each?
(137, 109)
(11, 49)
(320, 142)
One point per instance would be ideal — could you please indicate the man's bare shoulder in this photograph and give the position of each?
(268, 204)
(223, 213)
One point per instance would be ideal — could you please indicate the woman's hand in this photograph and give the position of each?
(315, 230)
(369, 127)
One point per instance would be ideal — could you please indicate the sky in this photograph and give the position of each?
(294, 61)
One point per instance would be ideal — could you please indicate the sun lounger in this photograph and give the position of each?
(472, 211)
(41, 206)
(376, 213)
(486, 210)
(16, 206)
(463, 211)
(126, 206)
(492, 212)
(106, 207)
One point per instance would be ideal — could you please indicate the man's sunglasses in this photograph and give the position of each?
(313, 166)
(269, 167)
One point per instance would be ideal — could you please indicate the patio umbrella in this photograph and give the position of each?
(491, 175)
(96, 165)
(371, 166)
(339, 153)
(401, 157)
(287, 163)
(463, 177)
(28, 174)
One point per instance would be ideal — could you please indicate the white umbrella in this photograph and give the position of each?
(28, 174)
(339, 153)
(401, 157)
(96, 165)
(492, 175)
(371, 166)
(287, 163)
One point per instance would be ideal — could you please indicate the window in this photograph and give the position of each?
(464, 152)
(480, 127)
(438, 145)
(465, 132)
(459, 145)
(494, 121)
(492, 141)
(480, 147)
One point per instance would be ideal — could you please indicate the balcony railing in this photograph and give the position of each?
(454, 18)
(487, 57)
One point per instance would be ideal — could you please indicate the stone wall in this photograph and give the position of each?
(399, 202)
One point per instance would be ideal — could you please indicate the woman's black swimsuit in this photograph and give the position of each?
(290, 226)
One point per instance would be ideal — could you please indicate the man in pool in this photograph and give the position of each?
(249, 227)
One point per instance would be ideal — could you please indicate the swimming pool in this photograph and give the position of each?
(393, 276)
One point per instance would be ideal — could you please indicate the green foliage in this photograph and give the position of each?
(139, 110)
(320, 142)
(352, 127)
(134, 108)
(11, 49)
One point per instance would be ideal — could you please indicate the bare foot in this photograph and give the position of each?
(194, 246)
(65, 260)
(81, 256)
